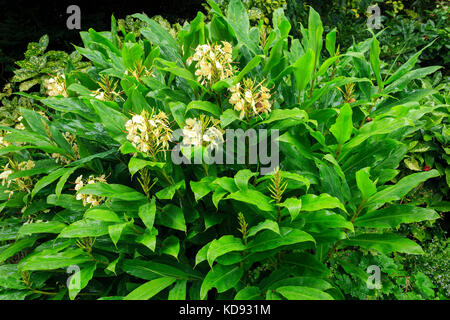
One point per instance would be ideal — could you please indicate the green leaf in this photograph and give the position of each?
(264, 225)
(45, 181)
(222, 278)
(222, 246)
(249, 293)
(10, 278)
(201, 188)
(172, 216)
(330, 42)
(157, 35)
(150, 270)
(115, 231)
(101, 214)
(319, 220)
(178, 292)
(114, 121)
(365, 185)
(85, 228)
(393, 216)
(253, 197)
(311, 202)
(171, 246)
(402, 82)
(202, 254)
(242, 177)
(311, 282)
(116, 191)
(112, 266)
(149, 289)
(286, 114)
(307, 264)
(178, 71)
(303, 293)
(400, 189)
(178, 110)
(384, 243)
(408, 65)
(293, 205)
(268, 240)
(16, 247)
(42, 227)
(256, 60)
(342, 129)
(303, 70)
(132, 54)
(148, 239)
(204, 106)
(238, 17)
(137, 164)
(48, 260)
(169, 192)
(375, 61)
(228, 116)
(63, 179)
(147, 213)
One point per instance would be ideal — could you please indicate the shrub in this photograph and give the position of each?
(92, 185)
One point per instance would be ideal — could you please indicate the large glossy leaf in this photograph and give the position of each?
(252, 197)
(268, 240)
(385, 243)
(223, 245)
(16, 247)
(116, 191)
(343, 127)
(222, 278)
(42, 227)
(149, 289)
(147, 213)
(400, 189)
(49, 260)
(303, 293)
(264, 225)
(365, 185)
(173, 217)
(375, 61)
(393, 216)
(85, 228)
(150, 270)
(311, 202)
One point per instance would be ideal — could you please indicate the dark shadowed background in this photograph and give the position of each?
(24, 21)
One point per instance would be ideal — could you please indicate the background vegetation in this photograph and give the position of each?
(387, 80)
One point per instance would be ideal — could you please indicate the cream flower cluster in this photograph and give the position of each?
(3, 143)
(214, 62)
(89, 199)
(55, 86)
(71, 139)
(20, 184)
(149, 133)
(204, 131)
(250, 99)
(20, 125)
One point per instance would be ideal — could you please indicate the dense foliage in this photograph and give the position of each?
(90, 187)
